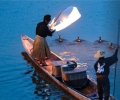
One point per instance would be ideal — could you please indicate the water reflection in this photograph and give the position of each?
(44, 88)
(78, 40)
(29, 71)
(58, 41)
(41, 87)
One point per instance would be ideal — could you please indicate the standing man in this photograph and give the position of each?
(102, 71)
(40, 47)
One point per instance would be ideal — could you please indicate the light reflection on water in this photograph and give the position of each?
(68, 56)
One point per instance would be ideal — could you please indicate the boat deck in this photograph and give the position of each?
(82, 52)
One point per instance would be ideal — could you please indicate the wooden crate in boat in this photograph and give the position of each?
(56, 67)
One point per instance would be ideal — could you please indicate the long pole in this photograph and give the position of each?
(116, 62)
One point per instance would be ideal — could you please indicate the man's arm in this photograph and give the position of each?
(113, 59)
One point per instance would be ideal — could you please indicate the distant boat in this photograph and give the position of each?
(67, 74)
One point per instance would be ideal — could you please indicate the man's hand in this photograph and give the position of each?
(54, 24)
(54, 30)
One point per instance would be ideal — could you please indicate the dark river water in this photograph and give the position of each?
(18, 77)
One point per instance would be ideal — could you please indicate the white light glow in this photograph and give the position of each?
(66, 18)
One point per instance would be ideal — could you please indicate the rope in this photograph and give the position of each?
(87, 54)
(116, 62)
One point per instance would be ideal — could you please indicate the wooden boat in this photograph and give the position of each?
(73, 80)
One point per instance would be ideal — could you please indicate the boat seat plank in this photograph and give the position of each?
(59, 63)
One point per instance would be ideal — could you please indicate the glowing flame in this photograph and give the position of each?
(66, 18)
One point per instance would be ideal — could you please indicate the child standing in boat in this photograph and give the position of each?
(40, 48)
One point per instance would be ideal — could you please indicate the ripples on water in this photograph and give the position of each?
(43, 88)
(18, 79)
